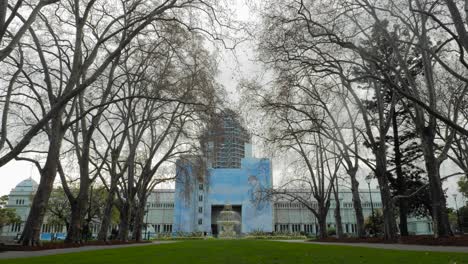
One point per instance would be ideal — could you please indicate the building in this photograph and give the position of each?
(226, 174)
(160, 211)
(20, 199)
(226, 142)
(288, 217)
(161, 217)
(199, 200)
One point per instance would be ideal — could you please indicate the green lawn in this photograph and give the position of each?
(246, 251)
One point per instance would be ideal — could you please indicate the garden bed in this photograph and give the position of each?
(277, 237)
(410, 240)
(61, 244)
(430, 240)
(179, 238)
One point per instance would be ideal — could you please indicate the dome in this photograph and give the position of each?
(29, 183)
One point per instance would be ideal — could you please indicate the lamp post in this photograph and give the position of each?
(458, 214)
(146, 224)
(368, 180)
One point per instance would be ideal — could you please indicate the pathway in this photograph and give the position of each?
(389, 246)
(28, 254)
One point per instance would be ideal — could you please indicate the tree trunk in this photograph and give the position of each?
(124, 225)
(390, 227)
(138, 224)
(439, 207)
(338, 222)
(32, 230)
(75, 229)
(357, 203)
(80, 204)
(107, 216)
(32, 227)
(322, 218)
(322, 221)
(3, 12)
(401, 181)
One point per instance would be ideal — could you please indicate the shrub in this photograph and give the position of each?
(259, 234)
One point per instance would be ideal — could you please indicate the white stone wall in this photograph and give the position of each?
(286, 216)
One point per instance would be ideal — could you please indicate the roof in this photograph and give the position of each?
(28, 183)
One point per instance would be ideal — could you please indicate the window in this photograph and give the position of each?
(200, 186)
(200, 221)
(200, 198)
(200, 209)
(157, 228)
(284, 228)
(167, 228)
(296, 228)
(16, 227)
(308, 228)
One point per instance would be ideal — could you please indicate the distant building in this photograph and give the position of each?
(286, 216)
(20, 199)
(162, 216)
(199, 200)
(226, 174)
(226, 142)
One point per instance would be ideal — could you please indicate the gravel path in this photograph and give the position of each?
(28, 254)
(390, 246)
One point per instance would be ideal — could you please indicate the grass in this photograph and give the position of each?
(246, 251)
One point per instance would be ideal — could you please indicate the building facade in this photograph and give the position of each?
(20, 199)
(163, 219)
(286, 216)
(199, 200)
(226, 142)
(225, 174)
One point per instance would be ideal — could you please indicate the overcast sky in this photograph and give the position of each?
(233, 65)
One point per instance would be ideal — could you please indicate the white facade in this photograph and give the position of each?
(290, 216)
(287, 216)
(160, 211)
(20, 199)
(295, 217)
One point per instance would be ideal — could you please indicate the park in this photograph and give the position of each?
(233, 131)
(246, 251)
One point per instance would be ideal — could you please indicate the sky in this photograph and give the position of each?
(234, 65)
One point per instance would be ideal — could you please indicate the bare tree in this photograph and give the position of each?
(69, 68)
(9, 23)
(314, 183)
(421, 50)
